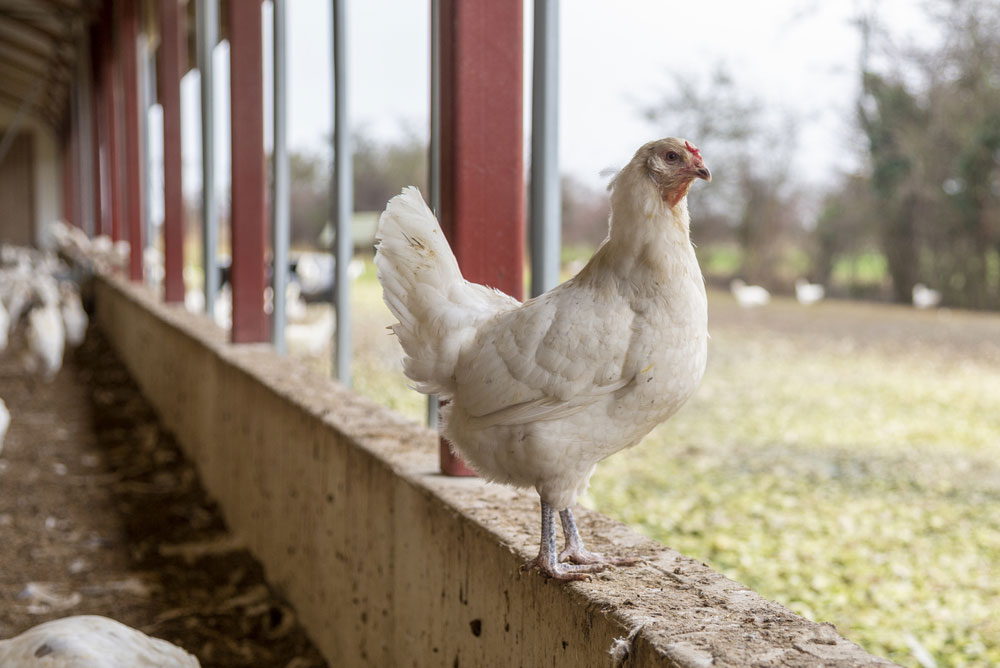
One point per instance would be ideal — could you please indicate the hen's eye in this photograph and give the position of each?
(671, 156)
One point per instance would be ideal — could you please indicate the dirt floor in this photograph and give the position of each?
(101, 514)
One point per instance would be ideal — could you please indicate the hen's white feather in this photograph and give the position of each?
(438, 310)
(89, 641)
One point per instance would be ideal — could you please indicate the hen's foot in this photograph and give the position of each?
(562, 572)
(577, 554)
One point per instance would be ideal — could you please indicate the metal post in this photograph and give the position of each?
(133, 132)
(482, 171)
(249, 178)
(545, 187)
(171, 63)
(279, 199)
(98, 132)
(207, 29)
(111, 91)
(343, 195)
(85, 156)
(434, 155)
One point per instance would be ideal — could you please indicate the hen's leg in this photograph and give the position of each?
(577, 553)
(546, 560)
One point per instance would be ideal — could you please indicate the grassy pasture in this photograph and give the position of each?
(843, 459)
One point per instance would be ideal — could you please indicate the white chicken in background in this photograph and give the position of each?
(311, 338)
(46, 340)
(4, 425)
(74, 316)
(749, 296)
(89, 641)
(925, 297)
(540, 392)
(808, 293)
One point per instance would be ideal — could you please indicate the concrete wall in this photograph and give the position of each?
(46, 173)
(388, 563)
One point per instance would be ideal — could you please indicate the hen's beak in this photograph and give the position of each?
(701, 171)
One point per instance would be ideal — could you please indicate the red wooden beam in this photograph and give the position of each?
(249, 213)
(133, 161)
(113, 111)
(482, 162)
(170, 69)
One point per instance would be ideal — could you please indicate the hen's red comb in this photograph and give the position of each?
(693, 149)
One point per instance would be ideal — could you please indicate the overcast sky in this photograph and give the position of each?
(797, 56)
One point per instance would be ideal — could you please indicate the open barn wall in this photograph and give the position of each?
(46, 196)
(388, 563)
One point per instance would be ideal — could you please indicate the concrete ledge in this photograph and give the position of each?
(390, 564)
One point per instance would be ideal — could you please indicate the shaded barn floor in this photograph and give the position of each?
(101, 514)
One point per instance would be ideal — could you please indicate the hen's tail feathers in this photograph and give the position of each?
(423, 287)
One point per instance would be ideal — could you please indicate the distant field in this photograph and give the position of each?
(843, 459)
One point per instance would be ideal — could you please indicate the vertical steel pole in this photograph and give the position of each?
(111, 91)
(98, 131)
(133, 130)
(249, 180)
(434, 155)
(545, 188)
(343, 195)
(207, 29)
(171, 61)
(279, 199)
(86, 154)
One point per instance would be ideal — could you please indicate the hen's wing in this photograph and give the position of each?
(548, 359)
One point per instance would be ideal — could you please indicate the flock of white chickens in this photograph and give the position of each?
(41, 315)
(806, 293)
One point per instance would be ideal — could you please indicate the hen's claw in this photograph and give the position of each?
(581, 555)
(562, 572)
(576, 553)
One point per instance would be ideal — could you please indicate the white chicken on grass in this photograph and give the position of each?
(540, 392)
(749, 296)
(808, 293)
(89, 641)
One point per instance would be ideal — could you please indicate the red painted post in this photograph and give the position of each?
(249, 210)
(133, 161)
(113, 110)
(170, 69)
(482, 162)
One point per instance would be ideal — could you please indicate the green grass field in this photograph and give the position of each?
(842, 459)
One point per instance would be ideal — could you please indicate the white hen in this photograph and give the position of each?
(540, 392)
(74, 316)
(808, 293)
(46, 340)
(925, 297)
(89, 641)
(749, 296)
